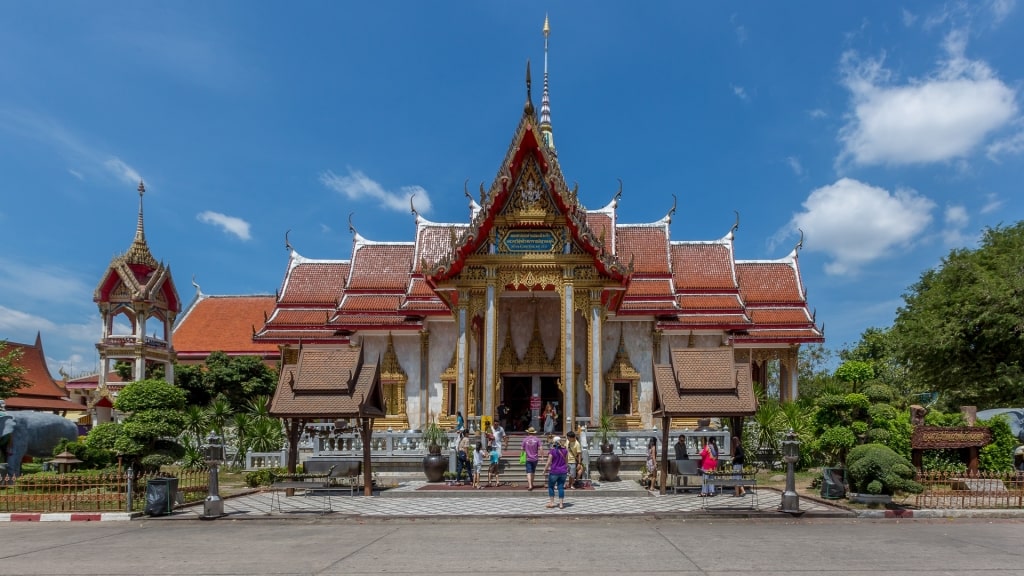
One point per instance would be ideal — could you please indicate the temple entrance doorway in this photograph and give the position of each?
(550, 394)
(516, 394)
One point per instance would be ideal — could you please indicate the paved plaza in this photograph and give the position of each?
(623, 498)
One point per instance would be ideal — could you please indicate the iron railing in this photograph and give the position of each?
(957, 490)
(91, 492)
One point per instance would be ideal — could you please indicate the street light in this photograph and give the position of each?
(213, 507)
(790, 454)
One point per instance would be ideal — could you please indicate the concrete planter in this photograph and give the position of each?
(871, 498)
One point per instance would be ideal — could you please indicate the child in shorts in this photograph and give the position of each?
(478, 463)
(492, 473)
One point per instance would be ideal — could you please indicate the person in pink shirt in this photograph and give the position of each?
(708, 463)
(531, 445)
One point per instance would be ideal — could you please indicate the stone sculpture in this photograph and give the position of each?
(28, 433)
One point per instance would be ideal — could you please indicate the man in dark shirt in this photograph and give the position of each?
(680, 446)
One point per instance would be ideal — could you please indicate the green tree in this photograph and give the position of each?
(12, 374)
(855, 372)
(814, 375)
(238, 379)
(880, 348)
(961, 329)
(155, 413)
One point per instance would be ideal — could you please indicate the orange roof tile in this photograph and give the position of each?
(639, 287)
(301, 316)
(703, 382)
(646, 245)
(795, 335)
(314, 281)
(648, 305)
(370, 303)
(381, 266)
(42, 391)
(702, 266)
(600, 224)
(709, 302)
(768, 283)
(763, 316)
(731, 320)
(223, 323)
(328, 383)
(433, 242)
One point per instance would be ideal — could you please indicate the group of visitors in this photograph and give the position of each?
(563, 465)
(708, 462)
(491, 456)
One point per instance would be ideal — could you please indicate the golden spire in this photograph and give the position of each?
(139, 252)
(547, 27)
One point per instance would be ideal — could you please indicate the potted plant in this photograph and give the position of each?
(435, 464)
(608, 462)
(876, 472)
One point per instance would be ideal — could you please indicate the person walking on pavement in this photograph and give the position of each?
(556, 468)
(462, 457)
(575, 459)
(708, 464)
(479, 456)
(738, 460)
(652, 462)
(495, 468)
(531, 445)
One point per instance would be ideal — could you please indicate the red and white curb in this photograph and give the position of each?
(65, 516)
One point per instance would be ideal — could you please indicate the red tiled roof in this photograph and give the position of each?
(42, 391)
(328, 383)
(296, 335)
(418, 288)
(731, 320)
(381, 320)
(652, 305)
(768, 283)
(370, 302)
(313, 281)
(600, 224)
(301, 317)
(763, 316)
(646, 245)
(381, 266)
(703, 382)
(417, 305)
(224, 323)
(639, 287)
(796, 335)
(433, 242)
(709, 302)
(702, 266)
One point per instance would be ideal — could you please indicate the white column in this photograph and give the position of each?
(462, 350)
(490, 343)
(569, 359)
(596, 363)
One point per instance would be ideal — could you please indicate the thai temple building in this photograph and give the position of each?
(536, 299)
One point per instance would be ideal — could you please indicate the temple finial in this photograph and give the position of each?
(138, 252)
(528, 107)
(545, 101)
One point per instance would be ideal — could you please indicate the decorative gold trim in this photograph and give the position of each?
(393, 379)
(622, 370)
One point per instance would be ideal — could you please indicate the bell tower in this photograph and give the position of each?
(138, 303)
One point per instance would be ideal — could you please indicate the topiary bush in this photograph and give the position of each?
(998, 456)
(878, 393)
(834, 442)
(877, 469)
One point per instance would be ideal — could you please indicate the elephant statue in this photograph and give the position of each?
(28, 433)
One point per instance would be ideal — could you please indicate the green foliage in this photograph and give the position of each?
(960, 326)
(103, 436)
(855, 372)
(153, 462)
(12, 374)
(814, 373)
(238, 379)
(835, 442)
(937, 418)
(150, 395)
(262, 477)
(876, 469)
(90, 457)
(943, 461)
(879, 413)
(605, 432)
(881, 349)
(879, 393)
(859, 428)
(998, 456)
(433, 434)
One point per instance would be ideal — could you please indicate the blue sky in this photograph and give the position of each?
(889, 133)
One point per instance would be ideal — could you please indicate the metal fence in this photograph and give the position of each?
(91, 492)
(954, 490)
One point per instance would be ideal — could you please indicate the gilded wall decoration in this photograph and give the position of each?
(622, 370)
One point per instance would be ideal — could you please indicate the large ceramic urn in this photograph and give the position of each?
(435, 464)
(608, 463)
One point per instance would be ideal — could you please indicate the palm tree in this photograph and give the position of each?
(219, 414)
(197, 423)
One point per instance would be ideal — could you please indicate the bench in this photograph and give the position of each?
(683, 475)
(317, 485)
(745, 480)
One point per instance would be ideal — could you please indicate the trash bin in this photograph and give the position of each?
(160, 496)
(833, 483)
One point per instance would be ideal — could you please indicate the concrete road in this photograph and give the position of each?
(497, 547)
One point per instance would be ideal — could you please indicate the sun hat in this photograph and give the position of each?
(556, 440)
(531, 430)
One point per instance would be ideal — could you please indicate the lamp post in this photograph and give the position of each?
(790, 454)
(213, 507)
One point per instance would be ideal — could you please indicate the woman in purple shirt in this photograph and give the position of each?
(556, 468)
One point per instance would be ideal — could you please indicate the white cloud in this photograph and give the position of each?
(122, 170)
(741, 30)
(17, 321)
(357, 186)
(795, 165)
(956, 219)
(76, 174)
(229, 224)
(817, 113)
(909, 18)
(740, 92)
(855, 223)
(41, 283)
(992, 203)
(1001, 9)
(941, 117)
(1006, 147)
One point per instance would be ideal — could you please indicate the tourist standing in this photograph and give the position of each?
(550, 415)
(503, 415)
(462, 457)
(652, 462)
(460, 422)
(495, 468)
(680, 447)
(498, 432)
(572, 445)
(738, 459)
(478, 464)
(708, 464)
(531, 445)
(556, 468)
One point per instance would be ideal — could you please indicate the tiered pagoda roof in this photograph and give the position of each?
(43, 393)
